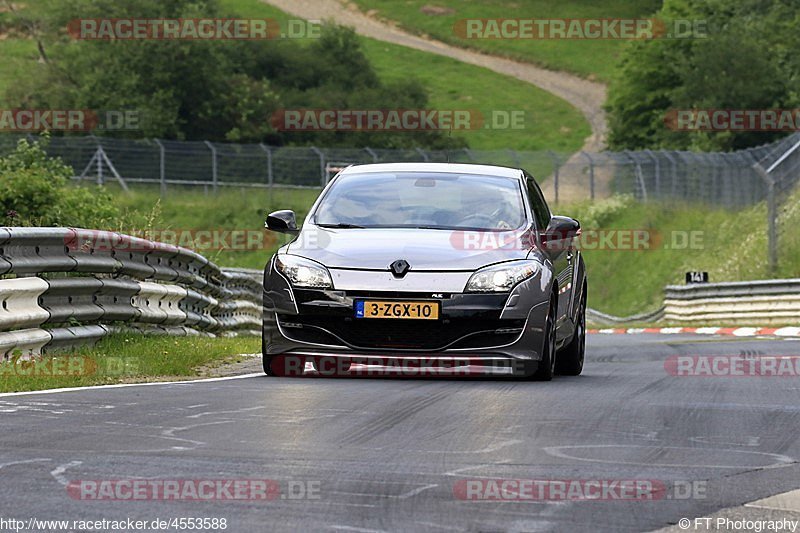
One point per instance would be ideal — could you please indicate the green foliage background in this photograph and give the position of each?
(748, 60)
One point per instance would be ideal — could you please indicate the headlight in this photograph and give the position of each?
(503, 277)
(303, 272)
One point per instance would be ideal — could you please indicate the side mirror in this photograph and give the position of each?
(561, 228)
(283, 222)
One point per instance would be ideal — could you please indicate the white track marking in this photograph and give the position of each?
(126, 385)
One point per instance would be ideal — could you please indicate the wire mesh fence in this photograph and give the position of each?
(724, 179)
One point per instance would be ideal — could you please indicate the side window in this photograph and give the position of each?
(540, 210)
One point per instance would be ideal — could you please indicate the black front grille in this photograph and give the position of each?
(403, 334)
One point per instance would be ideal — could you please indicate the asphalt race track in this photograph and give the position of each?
(387, 454)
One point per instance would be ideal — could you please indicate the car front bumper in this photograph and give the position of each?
(484, 328)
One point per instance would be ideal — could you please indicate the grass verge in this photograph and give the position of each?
(184, 211)
(126, 358)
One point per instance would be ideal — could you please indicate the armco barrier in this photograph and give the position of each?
(66, 287)
(766, 302)
(745, 303)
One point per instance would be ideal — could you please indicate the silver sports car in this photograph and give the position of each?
(449, 264)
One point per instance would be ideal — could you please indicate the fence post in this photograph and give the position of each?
(772, 216)
(162, 177)
(637, 172)
(372, 153)
(323, 175)
(657, 168)
(270, 182)
(100, 180)
(556, 164)
(591, 173)
(214, 175)
(673, 171)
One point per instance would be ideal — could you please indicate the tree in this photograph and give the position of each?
(210, 90)
(747, 61)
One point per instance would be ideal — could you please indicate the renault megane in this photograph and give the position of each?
(417, 260)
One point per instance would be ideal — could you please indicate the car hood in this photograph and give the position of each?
(437, 250)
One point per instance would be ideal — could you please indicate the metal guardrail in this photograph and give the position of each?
(741, 303)
(767, 302)
(602, 319)
(65, 287)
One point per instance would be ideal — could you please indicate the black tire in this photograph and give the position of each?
(547, 365)
(571, 357)
(266, 360)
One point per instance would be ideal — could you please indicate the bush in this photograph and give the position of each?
(35, 190)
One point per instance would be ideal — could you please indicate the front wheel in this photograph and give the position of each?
(547, 365)
(570, 359)
(266, 360)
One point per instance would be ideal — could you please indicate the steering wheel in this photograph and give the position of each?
(483, 219)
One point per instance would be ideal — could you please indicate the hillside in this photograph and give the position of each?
(551, 123)
(593, 59)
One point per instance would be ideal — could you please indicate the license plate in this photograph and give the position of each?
(397, 309)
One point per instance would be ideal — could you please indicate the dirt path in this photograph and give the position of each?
(587, 96)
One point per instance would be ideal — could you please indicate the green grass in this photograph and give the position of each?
(124, 358)
(229, 209)
(587, 58)
(551, 123)
(731, 246)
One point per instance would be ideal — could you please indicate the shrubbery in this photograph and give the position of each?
(35, 190)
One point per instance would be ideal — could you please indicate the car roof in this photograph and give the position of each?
(454, 168)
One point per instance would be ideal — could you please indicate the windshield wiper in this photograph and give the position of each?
(341, 226)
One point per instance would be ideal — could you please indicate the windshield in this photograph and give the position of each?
(423, 200)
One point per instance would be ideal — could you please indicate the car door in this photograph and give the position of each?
(557, 249)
